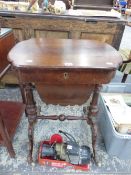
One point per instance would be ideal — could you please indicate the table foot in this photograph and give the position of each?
(93, 127)
(30, 136)
(96, 161)
(94, 136)
(29, 159)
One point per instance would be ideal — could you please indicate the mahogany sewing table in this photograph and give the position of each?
(66, 63)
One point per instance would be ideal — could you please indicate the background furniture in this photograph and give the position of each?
(70, 66)
(10, 114)
(7, 41)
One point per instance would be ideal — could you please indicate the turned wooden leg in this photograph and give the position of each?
(31, 112)
(5, 137)
(93, 131)
(30, 136)
(23, 93)
(94, 103)
(94, 137)
(93, 109)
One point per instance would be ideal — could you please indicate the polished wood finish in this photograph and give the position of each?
(67, 64)
(60, 54)
(47, 55)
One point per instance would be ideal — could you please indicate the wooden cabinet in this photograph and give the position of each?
(25, 26)
(6, 43)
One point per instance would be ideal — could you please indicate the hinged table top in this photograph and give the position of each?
(64, 53)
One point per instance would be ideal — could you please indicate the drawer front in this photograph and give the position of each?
(67, 76)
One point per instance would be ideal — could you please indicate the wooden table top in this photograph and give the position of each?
(64, 53)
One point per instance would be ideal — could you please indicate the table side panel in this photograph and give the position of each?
(64, 94)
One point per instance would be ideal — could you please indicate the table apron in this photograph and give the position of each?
(66, 76)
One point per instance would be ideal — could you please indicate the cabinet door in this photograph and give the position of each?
(52, 34)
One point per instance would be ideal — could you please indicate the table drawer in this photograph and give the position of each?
(67, 76)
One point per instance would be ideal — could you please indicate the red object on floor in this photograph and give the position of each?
(49, 161)
(56, 138)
